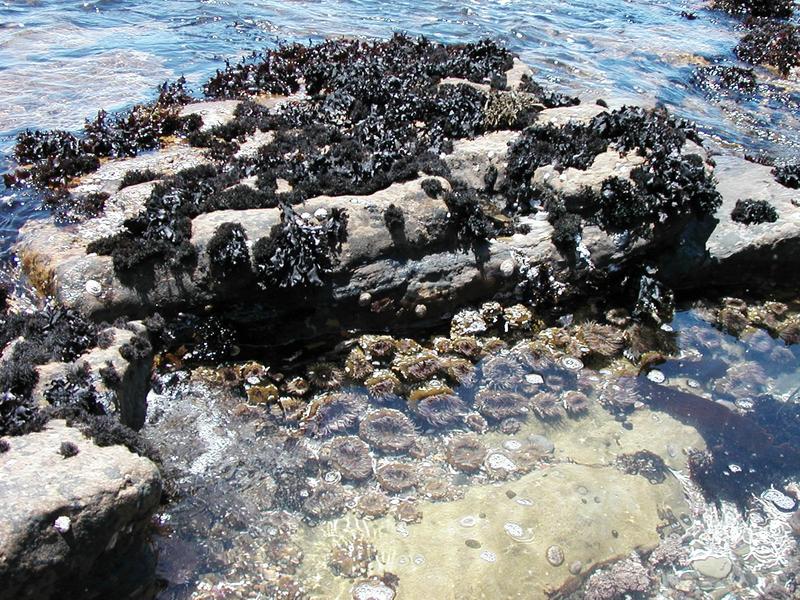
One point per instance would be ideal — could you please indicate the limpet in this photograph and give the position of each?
(518, 533)
(524, 502)
(656, 376)
(468, 521)
(572, 363)
(332, 477)
(488, 556)
(94, 287)
(555, 555)
(534, 379)
(512, 445)
(419, 559)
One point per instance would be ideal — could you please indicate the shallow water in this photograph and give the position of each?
(62, 61)
(553, 498)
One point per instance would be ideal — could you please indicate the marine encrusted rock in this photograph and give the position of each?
(104, 498)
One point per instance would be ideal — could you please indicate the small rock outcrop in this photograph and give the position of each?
(74, 523)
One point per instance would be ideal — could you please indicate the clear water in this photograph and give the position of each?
(549, 497)
(60, 60)
(495, 532)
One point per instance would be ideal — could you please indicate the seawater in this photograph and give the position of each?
(550, 499)
(60, 61)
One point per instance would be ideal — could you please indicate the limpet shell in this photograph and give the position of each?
(555, 555)
(94, 287)
(572, 363)
(517, 532)
(656, 376)
(488, 556)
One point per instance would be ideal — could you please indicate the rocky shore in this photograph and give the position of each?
(357, 186)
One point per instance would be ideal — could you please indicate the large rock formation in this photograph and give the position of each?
(74, 526)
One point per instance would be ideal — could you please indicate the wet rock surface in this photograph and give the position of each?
(75, 526)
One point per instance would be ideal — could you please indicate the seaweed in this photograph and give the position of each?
(781, 9)
(726, 79)
(110, 376)
(135, 177)
(54, 158)
(394, 218)
(788, 175)
(753, 212)
(548, 99)
(771, 43)
(137, 348)
(74, 389)
(69, 208)
(473, 228)
(227, 250)
(299, 252)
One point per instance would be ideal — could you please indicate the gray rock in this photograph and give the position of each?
(713, 567)
(729, 253)
(108, 496)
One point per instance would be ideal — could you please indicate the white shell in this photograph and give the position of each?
(488, 556)
(94, 287)
(62, 524)
(507, 267)
(572, 363)
(779, 499)
(534, 379)
(656, 376)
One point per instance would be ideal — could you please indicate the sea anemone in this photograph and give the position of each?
(466, 453)
(459, 370)
(388, 430)
(732, 320)
(357, 365)
(325, 376)
(373, 504)
(328, 500)
(621, 395)
(618, 316)
(377, 346)
(503, 372)
(546, 406)
(407, 511)
(518, 316)
(466, 346)
(396, 477)
(429, 388)
(758, 340)
(497, 405)
(383, 385)
(705, 338)
(297, 386)
(436, 484)
(742, 381)
(420, 367)
(351, 559)
(790, 332)
(333, 412)
(491, 312)
(575, 403)
(601, 340)
(262, 394)
(350, 456)
(476, 422)
(493, 345)
(407, 346)
(440, 410)
(587, 382)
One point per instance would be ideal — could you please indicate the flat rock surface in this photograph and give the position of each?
(108, 495)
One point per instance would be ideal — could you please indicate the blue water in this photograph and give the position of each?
(62, 60)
